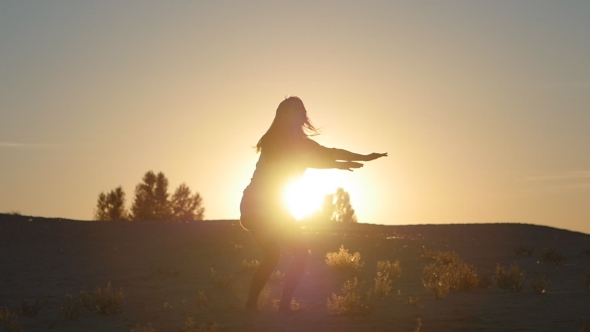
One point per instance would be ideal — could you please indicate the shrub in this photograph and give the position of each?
(72, 308)
(10, 320)
(164, 271)
(276, 278)
(448, 272)
(382, 285)
(524, 251)
(202, 300)
(344, 261)
(436, 278)
(351, 303)
(484, 282)
(510, 280)
(251, 266)
(191, 325)
(412, 301)
(104, 301)
(418, 324)
(237, 248)
(391, 269)
(539, 284)
(586, 278)
(221, 282)
(551, 256)
(293, 306)
(31, 310)
(147, 328)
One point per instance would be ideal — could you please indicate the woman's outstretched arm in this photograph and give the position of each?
(344, 165)
(341, 154)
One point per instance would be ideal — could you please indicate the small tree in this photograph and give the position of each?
(111, 206)
(343, 211)
(336, 207)
(186, 207)
(151, 198)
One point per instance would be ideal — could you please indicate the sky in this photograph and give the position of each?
(482, 106)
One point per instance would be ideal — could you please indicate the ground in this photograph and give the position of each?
(161, 267)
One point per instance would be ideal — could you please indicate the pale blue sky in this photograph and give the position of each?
(483, 107)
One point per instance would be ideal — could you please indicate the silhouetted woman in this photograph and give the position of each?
(286, 152)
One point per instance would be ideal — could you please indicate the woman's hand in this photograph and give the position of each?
(348, 165)
(374, 156)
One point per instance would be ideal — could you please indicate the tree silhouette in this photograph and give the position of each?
(186, 207)
(111, 206)
(336, 207)
(151, 202)
(151, 198)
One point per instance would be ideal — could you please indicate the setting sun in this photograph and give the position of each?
(306, 195)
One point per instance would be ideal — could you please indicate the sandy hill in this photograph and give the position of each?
(164, 270)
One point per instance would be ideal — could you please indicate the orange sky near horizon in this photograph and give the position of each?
(483, 107)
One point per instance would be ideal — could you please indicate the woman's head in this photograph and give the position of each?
(290, 122)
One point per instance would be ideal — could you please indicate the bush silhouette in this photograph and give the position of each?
(151, 202)
(336, 207)
(111, 207)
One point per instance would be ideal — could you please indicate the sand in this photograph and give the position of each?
(161, 267)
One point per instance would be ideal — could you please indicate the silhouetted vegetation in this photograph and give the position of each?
(586, 278)
(103, 300)
(151, 198)
(523, 251)
(111, 207)
(185, 206)
(344, 261)
(336, 207)
(350, 303)
(538, 284)
(448, 272)
(151, 202)
(9, 319)
(549, 255)
(511, 280)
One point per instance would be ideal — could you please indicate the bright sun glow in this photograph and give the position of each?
(305, 196)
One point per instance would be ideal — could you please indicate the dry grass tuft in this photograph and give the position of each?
(413, 301)
(31, 310)
(343, 261)
(164, 271)
(586, 278)
(511, 280)
(392, 269)
(105, 301)
(382, 285)
(549, 255)
(277, 278)
(251, 266)
(202, 300)
(10, 320)
(351, 303)
(523, 251)
(72, 308)
(448, 272)
(294, 305)
(147, 328)
(220, 282)
(539, 284)
(190, 325)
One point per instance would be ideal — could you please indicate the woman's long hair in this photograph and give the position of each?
(290, 122)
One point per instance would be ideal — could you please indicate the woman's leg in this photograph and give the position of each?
(295, 270)
(272, 253)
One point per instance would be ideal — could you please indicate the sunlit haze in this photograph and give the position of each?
(483, 107)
